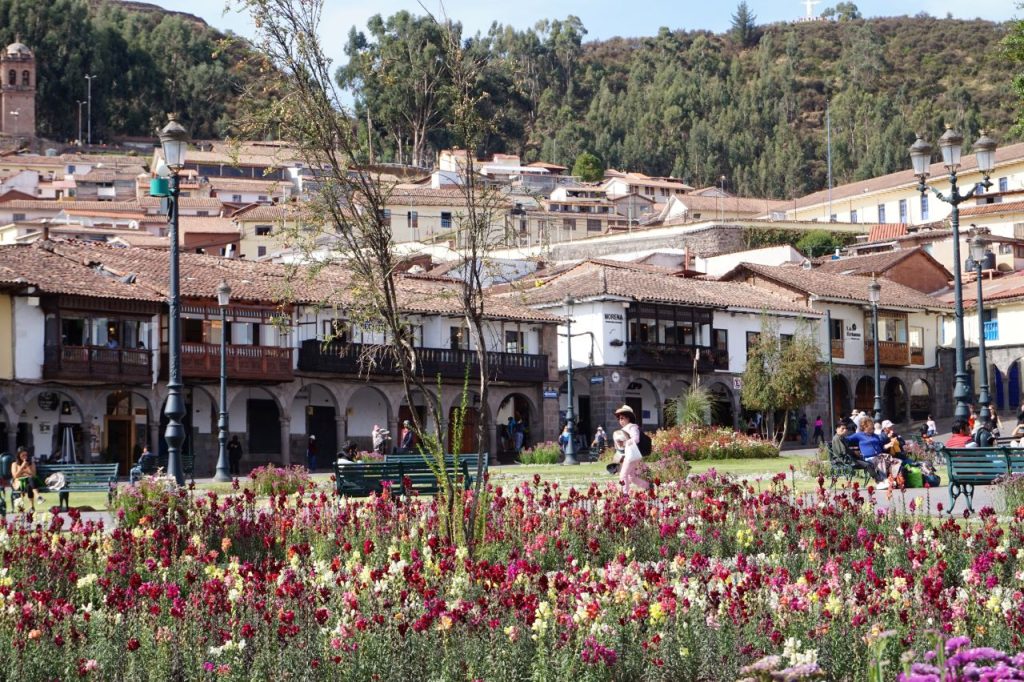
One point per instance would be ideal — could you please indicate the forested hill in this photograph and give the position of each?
(749, 105)
(146, 62)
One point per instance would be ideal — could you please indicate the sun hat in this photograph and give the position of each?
(625, 409)
(886, 424)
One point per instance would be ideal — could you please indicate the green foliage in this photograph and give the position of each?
(542, 453)
(744, 30)
(272, 480)
(822, 242)
(152, 498)
(1013, 49)
(691, 408)
(588, 168)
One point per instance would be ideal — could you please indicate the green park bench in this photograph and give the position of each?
(970, 467)
(79, 478)
(415, 458)
(843, 468)
(402, 478)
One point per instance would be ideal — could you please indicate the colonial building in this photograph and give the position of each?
(18, 92)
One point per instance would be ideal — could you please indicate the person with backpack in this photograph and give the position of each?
(635, 437)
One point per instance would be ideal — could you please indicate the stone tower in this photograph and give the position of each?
(18, 93)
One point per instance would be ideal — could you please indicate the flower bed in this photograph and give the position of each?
(695, 443)
(547, 452)
(695, 584)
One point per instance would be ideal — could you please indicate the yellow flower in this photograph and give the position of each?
(657, 613)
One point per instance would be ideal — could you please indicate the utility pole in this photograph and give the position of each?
(80, 103)
(89, 78)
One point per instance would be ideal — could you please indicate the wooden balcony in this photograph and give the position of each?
(259, 363)
(890, 353)
(335, 358)
(674, 358)
(838, 348)
(121, 365)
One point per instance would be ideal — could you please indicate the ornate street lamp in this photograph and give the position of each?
(875, 295)
(174, 141)
(223, 299)
(978, 253)
(951, 143)
(570, 416)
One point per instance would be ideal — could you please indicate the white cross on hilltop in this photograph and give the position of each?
(809, 6)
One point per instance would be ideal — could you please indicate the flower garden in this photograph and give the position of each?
(710, 580)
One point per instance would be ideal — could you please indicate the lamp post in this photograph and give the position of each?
(570, 416)
(174, 141)
(920, 155)
(223, 299)
(81, 102)
(978, 249)
(88, 98)
(875, 295)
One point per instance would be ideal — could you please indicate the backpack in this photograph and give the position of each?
(645, 446)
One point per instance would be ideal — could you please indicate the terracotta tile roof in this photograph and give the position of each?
(223, 185)
(37, 265)
(207, 225)
(143, 240)
(637, 282)
(874, 262)
(60, 205)
(405, 195)
(72, 213)
(696, 202)
(154, 203)
(989, 209)
(920, 235)
(267, 212)
(886, 231)
(1001, 289)
(904, 178)
(836, 286)
(641, 179)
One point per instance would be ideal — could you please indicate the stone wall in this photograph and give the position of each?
(705, 241)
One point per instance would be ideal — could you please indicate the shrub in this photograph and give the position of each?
(271, 480)
(155, 497)
(665, 469)
(1011, 490)
(690, 408)
(696, 443)
(818, 465)
(541, 453)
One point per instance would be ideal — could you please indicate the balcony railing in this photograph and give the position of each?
(314, 356)
(129, 365)
(263, 363)
(992, 330)
(838, 348)
(890, 353)
(673, 357)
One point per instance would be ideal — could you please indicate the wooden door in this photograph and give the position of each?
(120, 442)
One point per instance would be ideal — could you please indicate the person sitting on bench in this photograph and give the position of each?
(841, 451)
(145, 460)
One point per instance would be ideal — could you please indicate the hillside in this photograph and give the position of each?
(146, 62)
(699, 106)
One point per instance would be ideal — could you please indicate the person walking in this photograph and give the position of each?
(600, 442)
(628, 475)
(234, 455)
(518, 435)
(23, 477)
(819, 432)
(801, 427)
(311, 453)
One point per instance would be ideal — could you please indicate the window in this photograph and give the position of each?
(832, 218)
(262, 198)
(569, 223)
(1005, 249)
(412, 219)
(785, 339)
(25, 78)
(458, 338)
(12, 77)
(639, 332)
(924, 207)
(881, 213)
(524, 225)
(514, 341)
(917, 338)
(1018, 252)
(720, 339)
(1004, 184)
(203, 214)
(385, 217)
(903, 210)
(237, 198)
(261, 251)
(19, 217)
(336, 331)
(752, 338)
(593, 225)
(853, 216)
(446, 219)
(263, 230)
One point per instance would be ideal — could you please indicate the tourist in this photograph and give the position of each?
(23, 476)
(819, 431)
(563, 438)
(311, 453)
(627, 473)
(894, 450)
(405, 437)
(349, 453)
(234, 455)
(136, 472)
(841, 452)
(983, 436)
(931, 428)
(801, 427)
(961, 437)
(600, 441)
(869, 444)
(379, 438)
(518, 434)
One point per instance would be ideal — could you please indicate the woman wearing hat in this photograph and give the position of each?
(628, 427)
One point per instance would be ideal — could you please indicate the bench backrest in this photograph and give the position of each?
(82, 475)
(368, 477)
(983, 465)
(416, 458)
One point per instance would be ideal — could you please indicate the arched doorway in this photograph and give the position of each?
(200, 424)
(125, 428)
(255, 412)
(469, 441)
(646, 403)
(51, 424)
(585, 419)
(998, 389)
(920, 400)
(367, 407)
(1013, 392)
(864, 399)
(520, 408)
(842, 403)
(895, 406)
(675, 392)
(421, 409)
(721, 404)
(314, 408)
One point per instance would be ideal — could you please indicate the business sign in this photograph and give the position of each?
(614, 318)
(599, 379)
(852, 333)
(551, 393)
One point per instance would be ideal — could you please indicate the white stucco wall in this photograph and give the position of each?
(29, 332)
